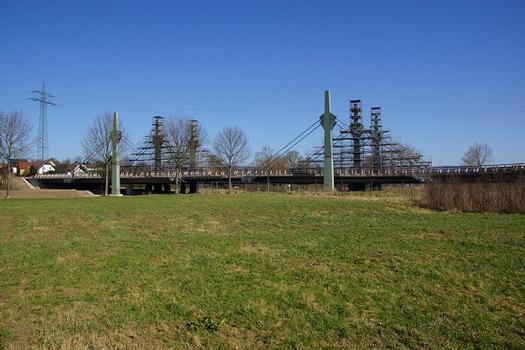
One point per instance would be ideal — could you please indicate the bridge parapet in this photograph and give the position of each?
(257, 172)
(493, 168)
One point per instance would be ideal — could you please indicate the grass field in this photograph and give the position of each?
(255, 271)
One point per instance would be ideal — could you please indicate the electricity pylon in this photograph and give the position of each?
(42, 141)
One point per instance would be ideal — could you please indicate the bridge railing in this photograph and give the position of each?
(257, 172)
(237, 173)
(512, 167)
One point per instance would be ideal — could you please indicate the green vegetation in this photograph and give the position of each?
(257, 271)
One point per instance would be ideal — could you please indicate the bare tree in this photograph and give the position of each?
(186, 139)
(402, 155)
(77, 159)
(231, 148)
(64, 166)
(213, 162)
(264, 159)
(293, 159)
(407, 152)
(268, 161)
(96, 144)
(178, 134)
(14, 140)
(477, 155)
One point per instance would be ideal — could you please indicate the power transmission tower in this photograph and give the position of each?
(42, 141)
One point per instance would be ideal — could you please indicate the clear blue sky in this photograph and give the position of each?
(447, 73)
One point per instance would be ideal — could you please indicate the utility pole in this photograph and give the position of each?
(42, 141)
(328, 123)
(116, 136)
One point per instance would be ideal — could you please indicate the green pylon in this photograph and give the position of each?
(328, 123)
(116, 136)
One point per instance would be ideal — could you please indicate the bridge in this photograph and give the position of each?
(357, 158)
(163, 181)
(151, 181)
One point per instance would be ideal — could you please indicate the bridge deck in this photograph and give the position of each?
(253, 175)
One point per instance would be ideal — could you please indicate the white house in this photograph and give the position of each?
(45, 168)
(81, 169)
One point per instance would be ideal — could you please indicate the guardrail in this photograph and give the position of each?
(479, 169)
(256, 172)
(243, 173)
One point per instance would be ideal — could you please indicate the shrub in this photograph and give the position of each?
(498, 197)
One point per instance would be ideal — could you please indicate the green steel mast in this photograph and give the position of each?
(328, 123)
(116, 136)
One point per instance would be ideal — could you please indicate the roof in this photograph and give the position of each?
(24, 164)
(83, 167)
(14, 162)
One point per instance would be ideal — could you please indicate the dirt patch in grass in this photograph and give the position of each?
(125, 339)
(48, 193)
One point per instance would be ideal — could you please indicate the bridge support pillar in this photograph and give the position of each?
(129, 190)
(357, 186)
(157, 188)
(182, 188)
(376, 187)
(116, 136)
(328, 123)
(194, 187)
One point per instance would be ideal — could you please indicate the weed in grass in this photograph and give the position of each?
(206, 323)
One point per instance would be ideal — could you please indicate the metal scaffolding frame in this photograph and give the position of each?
(367, 149)
(157, 153)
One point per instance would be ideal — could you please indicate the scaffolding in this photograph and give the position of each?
(159, 154)
(154, 154)
(367, 149)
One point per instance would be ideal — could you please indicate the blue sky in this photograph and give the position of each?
(447, 73)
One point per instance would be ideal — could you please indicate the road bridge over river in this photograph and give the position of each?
(356, 158)
(139, 181)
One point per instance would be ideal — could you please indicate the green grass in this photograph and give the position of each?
(252, 271)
